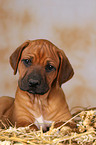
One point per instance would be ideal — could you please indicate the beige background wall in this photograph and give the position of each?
(70, 24)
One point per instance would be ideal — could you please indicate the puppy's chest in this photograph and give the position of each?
(41, 122)
(40, 115)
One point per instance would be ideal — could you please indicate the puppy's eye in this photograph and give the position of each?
(49, 68)
(27, 62)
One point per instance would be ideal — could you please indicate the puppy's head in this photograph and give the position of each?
(40, 64)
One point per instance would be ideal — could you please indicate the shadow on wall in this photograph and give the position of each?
(14, 23)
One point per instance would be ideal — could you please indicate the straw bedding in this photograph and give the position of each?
(83, 134)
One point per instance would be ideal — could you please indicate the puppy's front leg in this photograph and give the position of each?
(25, 124)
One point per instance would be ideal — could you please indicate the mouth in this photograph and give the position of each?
(32, 90)
(38, 92)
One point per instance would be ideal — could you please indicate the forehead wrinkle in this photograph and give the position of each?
(52, 51)
(41, 51)
(29, 49)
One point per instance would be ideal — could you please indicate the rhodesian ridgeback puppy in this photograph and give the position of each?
(39, 98)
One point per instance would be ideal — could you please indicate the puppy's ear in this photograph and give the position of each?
(65, 72)
(16, 55)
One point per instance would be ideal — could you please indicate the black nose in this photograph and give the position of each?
(33, 82)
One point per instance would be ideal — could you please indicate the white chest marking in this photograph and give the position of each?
(41, 122)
